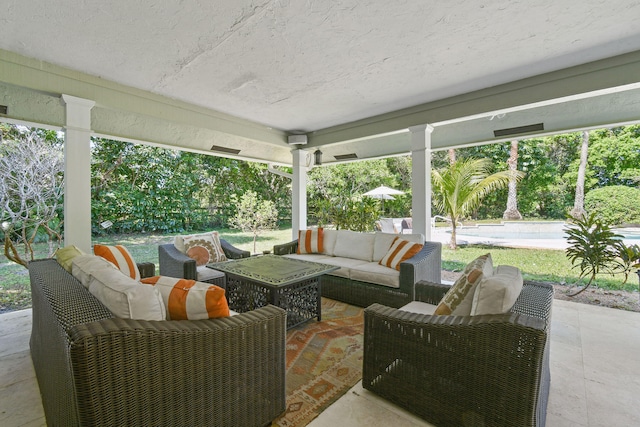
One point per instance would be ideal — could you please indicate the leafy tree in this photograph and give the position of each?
(461, 187)
(31, 187)
(254, 215)
(334, 189)
(142, 188)
(617, 204)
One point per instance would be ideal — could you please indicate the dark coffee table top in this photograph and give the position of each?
(273, 270)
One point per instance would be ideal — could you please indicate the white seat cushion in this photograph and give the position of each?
(373, 272)
(419, 307)
(205, 273)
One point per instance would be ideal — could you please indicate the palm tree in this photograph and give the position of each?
(512, 211)
(460, 188)
(578, 205)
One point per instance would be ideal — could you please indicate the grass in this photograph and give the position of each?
(536, 264)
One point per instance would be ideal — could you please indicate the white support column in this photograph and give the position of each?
(301, 165)
(421, 179)
(77, 172)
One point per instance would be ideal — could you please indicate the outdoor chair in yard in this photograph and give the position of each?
(462, 370)
(187, 257)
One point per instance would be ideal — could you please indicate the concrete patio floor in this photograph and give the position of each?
(594, 375)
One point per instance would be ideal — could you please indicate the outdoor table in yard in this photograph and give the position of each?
(291, 284)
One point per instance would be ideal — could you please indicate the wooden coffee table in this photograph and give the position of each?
(291, 284)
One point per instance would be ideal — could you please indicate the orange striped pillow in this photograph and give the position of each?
(119, 256)
(190, 300)
(311, 241)
(400, 250)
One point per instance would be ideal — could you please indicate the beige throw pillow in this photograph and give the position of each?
(459, 299)
(496, 294)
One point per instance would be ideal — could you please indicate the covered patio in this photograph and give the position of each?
(276, 82)
(593, 375)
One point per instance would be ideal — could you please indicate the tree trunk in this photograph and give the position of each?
(512, 211)
(578, 204)
(452, 156)
(452, 243)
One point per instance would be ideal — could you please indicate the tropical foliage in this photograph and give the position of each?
(460, 188)
(594, 248)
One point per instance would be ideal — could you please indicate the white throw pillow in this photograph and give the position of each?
(126, 298)
(496, 294)
(351, 244)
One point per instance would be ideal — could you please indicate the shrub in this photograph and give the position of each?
(614, 205)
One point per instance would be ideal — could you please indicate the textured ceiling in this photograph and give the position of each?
(305, 66)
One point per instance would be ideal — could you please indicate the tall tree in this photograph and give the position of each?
(460, 188)
(578, 204)
(512, 211)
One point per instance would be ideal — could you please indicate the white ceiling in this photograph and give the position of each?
(305, 66)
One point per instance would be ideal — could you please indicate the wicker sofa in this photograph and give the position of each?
(94, 369)
(355, 282)
(489, 370)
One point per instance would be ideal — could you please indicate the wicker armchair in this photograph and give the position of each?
(174, 263)
(467, 371)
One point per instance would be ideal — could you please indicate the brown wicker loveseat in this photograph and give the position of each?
(94, 369)
(463, 371)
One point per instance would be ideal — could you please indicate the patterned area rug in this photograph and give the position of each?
(324, 360)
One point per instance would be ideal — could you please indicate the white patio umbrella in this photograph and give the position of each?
(384, 193)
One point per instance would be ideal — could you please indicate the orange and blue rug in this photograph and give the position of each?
(324, 360)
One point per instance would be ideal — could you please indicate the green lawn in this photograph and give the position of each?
(536, 264)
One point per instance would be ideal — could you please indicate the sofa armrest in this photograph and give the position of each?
(429, 292)
(425, 265)
(174, 263)
(181, 372)
(232, 252)
(286, 248)
(147, 269)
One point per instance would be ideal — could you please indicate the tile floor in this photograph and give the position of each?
(595, 354)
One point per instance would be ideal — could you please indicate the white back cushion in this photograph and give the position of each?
(496, 294)
(83, 265)
(126, 298)
(351, 244)
(330, 237)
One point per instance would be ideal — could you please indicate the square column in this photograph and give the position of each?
(77, 172)
(301, 166)
(421, 179)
